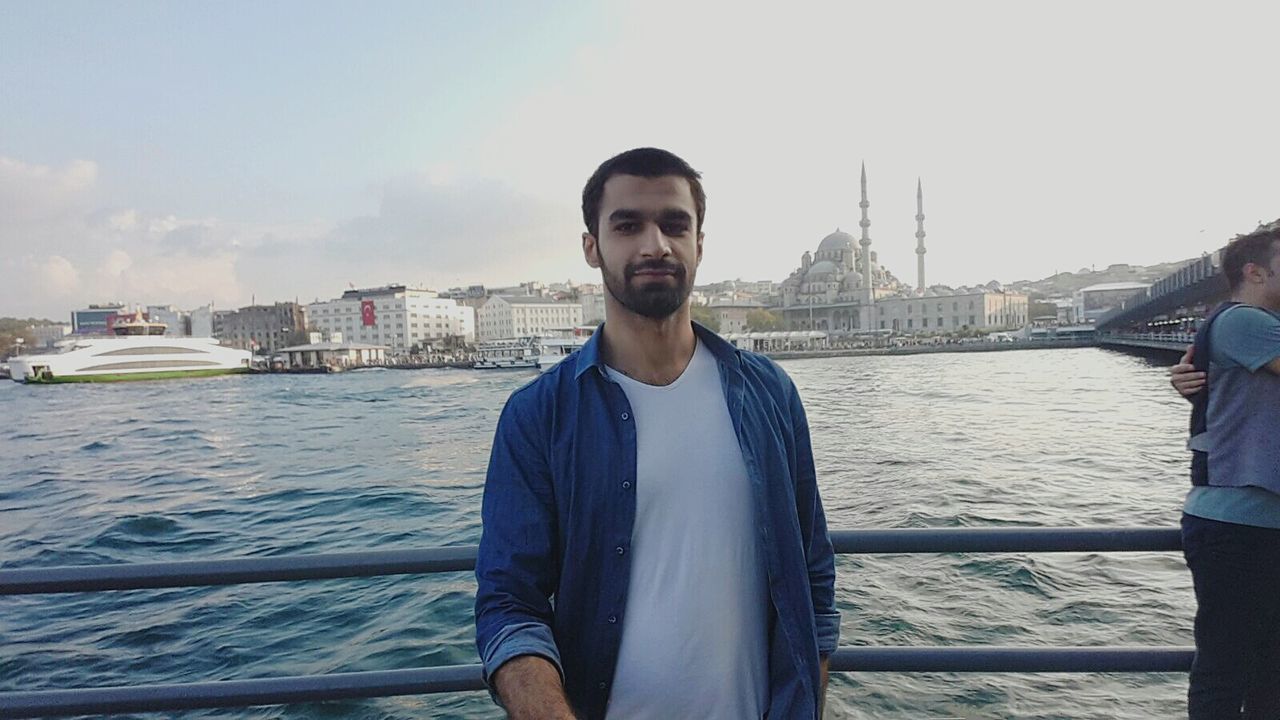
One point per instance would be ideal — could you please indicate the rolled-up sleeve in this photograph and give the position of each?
(516, 569)
(819, 553)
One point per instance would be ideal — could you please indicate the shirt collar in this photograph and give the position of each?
(725, 353)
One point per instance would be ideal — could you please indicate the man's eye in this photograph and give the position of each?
(625, 227)
(673, 229)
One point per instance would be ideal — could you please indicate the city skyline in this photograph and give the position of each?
(289, 150)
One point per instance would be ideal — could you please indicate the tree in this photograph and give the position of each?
(14, 329)
(702, 315)
(763, 321)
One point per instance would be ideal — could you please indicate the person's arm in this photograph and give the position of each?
(517, 570)
(530, 689)
(1185, 378)
(819, 553)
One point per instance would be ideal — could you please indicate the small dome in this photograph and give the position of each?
(822, 267)
(836, 242)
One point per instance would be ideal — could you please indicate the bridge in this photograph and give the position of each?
(1165, 316)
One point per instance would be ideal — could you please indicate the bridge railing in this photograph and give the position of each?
(457, 678)
(1180, 338)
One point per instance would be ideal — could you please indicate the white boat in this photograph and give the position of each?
(526, 352)
(553, 350)
(507, 354)
(138, 350)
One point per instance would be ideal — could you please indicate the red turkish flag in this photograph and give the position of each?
(366, 313)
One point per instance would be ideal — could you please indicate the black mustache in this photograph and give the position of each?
(674, 268)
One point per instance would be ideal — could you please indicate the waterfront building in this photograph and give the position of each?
(842, 289)
(1093, 302)
(473, 296)
(200, 321)
(46, 335)
(397, 316)
(505, 317)
(336, 354)
(175, 320)
(592, 306)
(95, 319)
(733, 315)
(263, 328)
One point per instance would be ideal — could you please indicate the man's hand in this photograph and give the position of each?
(1184, 378)
(530, 689)
(823, 664)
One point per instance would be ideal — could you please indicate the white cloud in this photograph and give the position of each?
(58, 275)
(37, 193)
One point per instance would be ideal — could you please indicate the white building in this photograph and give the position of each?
(1095, 301)
(513, 317)
(592, 307)
(47, 335)
(396, 316)
(733, 315)
(175, 322)
(202, 321)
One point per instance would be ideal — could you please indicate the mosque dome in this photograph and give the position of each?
(836, 242)
(821, 268)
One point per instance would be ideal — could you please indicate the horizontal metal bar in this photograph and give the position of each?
(239, 693)
(90, 578)
(1013, 659)
(1006, 539)
(459, 678)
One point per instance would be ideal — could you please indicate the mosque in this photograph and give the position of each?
(842, 289)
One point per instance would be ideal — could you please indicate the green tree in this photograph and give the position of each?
(14, 329)
(763, 321)
(703, 315)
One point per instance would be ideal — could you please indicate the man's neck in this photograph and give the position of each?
(1248, 297)
(654, 352)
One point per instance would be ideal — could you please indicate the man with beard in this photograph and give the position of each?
(654, 544)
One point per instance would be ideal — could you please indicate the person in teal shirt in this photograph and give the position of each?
(1231, 518)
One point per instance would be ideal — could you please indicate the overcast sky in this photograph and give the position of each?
(188, 153)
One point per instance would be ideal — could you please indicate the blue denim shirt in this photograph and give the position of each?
(559, 504)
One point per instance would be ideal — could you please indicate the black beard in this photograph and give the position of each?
(656, 301)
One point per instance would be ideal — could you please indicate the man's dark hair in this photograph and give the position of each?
(645, 163)
(1257, 247)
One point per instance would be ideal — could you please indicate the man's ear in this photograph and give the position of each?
(591, 250)
(699, 261)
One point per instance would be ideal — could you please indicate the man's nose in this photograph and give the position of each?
(654, 242)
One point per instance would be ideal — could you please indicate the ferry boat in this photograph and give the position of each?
(136, 350)
(526, 352)
(507, 354)
(553, 350)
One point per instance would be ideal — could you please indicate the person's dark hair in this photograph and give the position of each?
(1257, 247)
(645, 163)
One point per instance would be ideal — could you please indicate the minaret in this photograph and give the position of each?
(868, 294)
(919, 236)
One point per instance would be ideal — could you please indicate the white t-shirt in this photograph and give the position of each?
(695, 630)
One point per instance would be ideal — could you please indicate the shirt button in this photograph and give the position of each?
(626, 416)
(626, 484)
(613, 619)
(620, 550)
(601, 686)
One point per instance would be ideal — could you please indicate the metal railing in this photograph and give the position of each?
(346, 686)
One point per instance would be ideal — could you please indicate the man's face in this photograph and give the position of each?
(1270, 277)
(649, 246)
